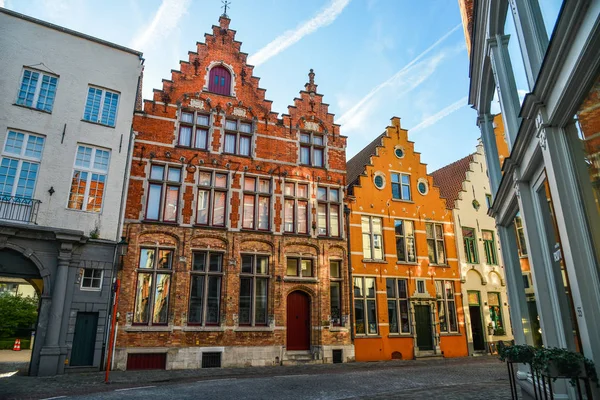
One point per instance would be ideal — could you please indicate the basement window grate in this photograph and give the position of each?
(337, 356)
(211, 360)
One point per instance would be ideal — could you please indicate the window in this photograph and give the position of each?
(446, 306)
(101, 106)
(205, 288)
(335, 291)
(526, 283)
(521, 236)
(423, 187)
(490, 247)
(295, 208)
(401, 186)
(89, 179)
(162, 202)
(153, 286)
(92, 279)
(254, 284)
(193, 130)
(219, 80)
(372, 238)
(399, 151)
(312, 149)
(397, 294)
(495, 306)
(421, 286)
(238, 138)
(379, 180)
(211, 206)
(365, 313)
(300, 267)
(470, 243)
(488, 200)
(435, 243)
(37, 90)
(20, 164)
(405, 241)
(328, 211)
(257, 203)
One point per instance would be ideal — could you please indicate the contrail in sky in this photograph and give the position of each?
(432, 119)
(165, 20)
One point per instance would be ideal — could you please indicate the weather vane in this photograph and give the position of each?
(224, 7)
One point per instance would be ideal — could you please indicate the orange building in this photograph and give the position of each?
(407, 294)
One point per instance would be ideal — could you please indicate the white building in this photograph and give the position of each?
(465, 186)
(65, 131)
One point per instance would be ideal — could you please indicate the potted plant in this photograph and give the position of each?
(518, 353)
(499, 332)
(562, 363)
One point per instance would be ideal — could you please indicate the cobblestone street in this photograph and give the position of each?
(466, 378)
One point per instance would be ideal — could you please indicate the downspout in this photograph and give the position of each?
(124, 191)
(462, 297)
(350, 291)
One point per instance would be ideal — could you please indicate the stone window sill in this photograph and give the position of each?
(300, 279)
(254, 329)
(450, 334)
(32, 108)
(98, 123)
(144, 328)
(400, 335)
(363, 336)
(369, 260)
(338, 329)
(193, 328)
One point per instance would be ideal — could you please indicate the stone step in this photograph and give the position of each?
(299, 357)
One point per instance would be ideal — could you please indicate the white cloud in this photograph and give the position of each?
(1, 3)
(409, 77)
(432, 119)
(282, 42)
(165, 20)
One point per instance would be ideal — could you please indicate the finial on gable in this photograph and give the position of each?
(224, 7)
(310, 86)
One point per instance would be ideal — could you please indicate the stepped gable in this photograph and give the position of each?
(449, 179)
(356, 165)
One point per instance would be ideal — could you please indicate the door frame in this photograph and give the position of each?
(309, 309)
(483, 327)
(432, 320)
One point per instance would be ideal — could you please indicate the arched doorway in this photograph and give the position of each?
(20, 277)
(298, 321)
(219, 80)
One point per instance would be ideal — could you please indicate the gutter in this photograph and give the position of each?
(351, 292)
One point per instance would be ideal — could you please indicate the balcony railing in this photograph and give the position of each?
(19, 209)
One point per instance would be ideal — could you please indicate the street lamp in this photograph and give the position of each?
(122, 246)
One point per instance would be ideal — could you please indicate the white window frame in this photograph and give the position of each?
(101, 106)
(22, 157)
(90, 171)
(38, 89)
(372, 239)
(92, 279)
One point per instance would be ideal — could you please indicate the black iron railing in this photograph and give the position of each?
(19, 209)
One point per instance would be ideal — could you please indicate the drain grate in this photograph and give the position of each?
(211, 360)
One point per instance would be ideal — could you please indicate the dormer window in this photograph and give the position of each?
(312, 149)
(219, 81)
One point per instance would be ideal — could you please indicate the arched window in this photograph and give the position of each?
(219, 80)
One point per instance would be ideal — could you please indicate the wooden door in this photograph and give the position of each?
(219, 80)
(476, 328)
(423, 322)
(298, 321)
(84, 339)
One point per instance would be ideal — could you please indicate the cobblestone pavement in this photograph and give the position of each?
(465, 378)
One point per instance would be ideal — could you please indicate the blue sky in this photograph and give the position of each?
(373, 59)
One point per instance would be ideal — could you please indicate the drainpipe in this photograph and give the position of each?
(350, 292)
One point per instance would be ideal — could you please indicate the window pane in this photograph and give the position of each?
(260, 314)
(440, 252)
(359, 316)
(35, 145)
(174, 175)
(404, 317)
(229, 143)
(245, 301)
(171, 203)
(336, 303)
(8, 172)
(28, 86)
(431, 250)
(288, 189)
(406, 192)
(370, 287)
(147, 258)
(292, 267)
(221, 180)
(219, 209)
(83, 157)
(334, 220)
(185, 136)
(202, 120)
(264, 186)
(318, 140)
(27, 179)
(213, 299)
(245, 127)
(204, 178)
(307, 268)
(109, 110)
(452, 316)
(302, 217)
(92, 105)
(442, 316)
(372, 316)
(390, 287)
(438, 231)
(400, 248)
(302, 190)
(304, 138)
(202, 209)
(248, 221)
(358, 287)
(154, 194)
(334, 269)
(198, 261)
(250, 184)
(402, 290)
(78, 187)
(96, 193)
(322, 193)
(262, 265)
(201, 138)
(244, 145)
(396, 191)
(263, 212)
(367, 246)
(334, 195)
(196, 296)
(156, 172)
(393, 316)
(161, 299)
(47, 92)
(247, 262)
(142, 298)
(288, 219)
(165, 259)
(318, 154)
(14, 143)
(231, 125)
(215, 262)
(322, 219)
(429, 230)
(304, 155)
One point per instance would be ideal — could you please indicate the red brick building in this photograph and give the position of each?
(237, 250)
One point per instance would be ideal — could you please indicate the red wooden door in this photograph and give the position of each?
(298, 321)
(219, 80)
